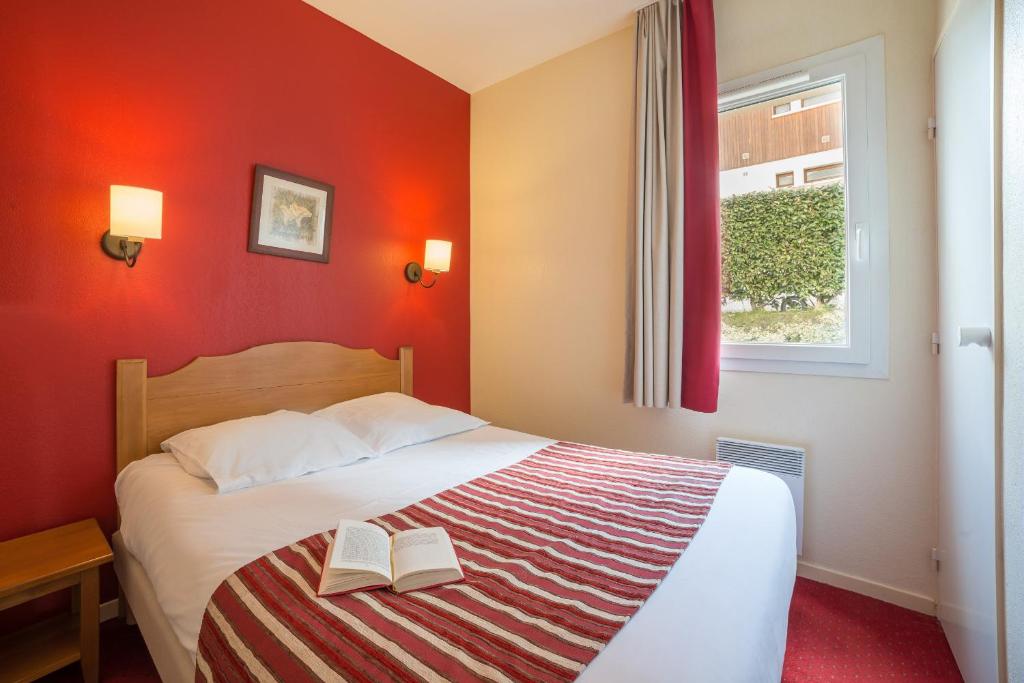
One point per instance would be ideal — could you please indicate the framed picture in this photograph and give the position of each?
(291, 215)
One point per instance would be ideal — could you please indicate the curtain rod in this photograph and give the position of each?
(768, 85)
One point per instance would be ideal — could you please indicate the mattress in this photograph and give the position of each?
(720, 614)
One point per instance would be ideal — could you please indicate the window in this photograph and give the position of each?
(784, 179)
(784, 108)
(820, 99)
(805, 253)
(827, 172)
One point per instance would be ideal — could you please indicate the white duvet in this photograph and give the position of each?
(720, 614)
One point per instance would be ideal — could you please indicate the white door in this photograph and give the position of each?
(967, 486)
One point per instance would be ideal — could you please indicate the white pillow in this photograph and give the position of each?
(389, 421)
(258, 450)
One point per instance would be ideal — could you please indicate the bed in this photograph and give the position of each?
(720, 614)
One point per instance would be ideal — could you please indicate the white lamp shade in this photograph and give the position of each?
(136, 212)
(438, 257)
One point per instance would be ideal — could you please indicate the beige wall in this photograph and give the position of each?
(549, 203)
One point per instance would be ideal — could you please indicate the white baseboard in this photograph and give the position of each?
(880, 591)
(108, 610)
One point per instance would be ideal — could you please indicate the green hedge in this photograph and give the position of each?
(784, 248)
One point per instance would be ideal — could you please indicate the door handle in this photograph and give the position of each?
(981, 336)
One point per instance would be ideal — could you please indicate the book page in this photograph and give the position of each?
(419, 550)
(360, 545)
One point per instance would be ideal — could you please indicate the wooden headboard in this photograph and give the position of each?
(304, 376)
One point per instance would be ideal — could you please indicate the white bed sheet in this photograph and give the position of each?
(720, 614)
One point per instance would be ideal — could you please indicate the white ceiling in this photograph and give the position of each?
(476, 43)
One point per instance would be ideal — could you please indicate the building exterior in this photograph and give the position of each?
(786, 142)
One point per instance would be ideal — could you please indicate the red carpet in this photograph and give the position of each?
(834, 635)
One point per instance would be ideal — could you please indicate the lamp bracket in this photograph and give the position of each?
(414, 274)
(120, 248)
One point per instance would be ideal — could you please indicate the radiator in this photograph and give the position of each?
(785, 462)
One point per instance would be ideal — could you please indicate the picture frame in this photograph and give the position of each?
(291, 215)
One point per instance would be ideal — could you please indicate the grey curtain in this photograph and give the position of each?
(654, 365)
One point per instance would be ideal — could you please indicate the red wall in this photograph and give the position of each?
(185, 97)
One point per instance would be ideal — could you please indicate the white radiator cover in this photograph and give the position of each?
(785, 462)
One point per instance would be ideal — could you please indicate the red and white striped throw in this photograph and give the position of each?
(559, 551)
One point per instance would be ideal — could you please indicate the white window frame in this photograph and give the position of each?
(860, 68)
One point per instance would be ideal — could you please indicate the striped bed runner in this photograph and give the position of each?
(559, 551)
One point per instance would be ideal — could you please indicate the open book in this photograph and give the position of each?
(363, 556)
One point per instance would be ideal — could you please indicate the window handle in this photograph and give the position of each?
(862, 242)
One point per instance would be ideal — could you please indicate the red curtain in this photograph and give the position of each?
(702, 322)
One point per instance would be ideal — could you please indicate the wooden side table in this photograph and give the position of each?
(32, 566)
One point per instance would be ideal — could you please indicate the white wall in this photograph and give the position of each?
(550, 154)
(946, 9)
(1013, 337)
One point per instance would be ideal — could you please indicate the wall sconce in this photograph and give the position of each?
(437, 259)
(135, 215)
